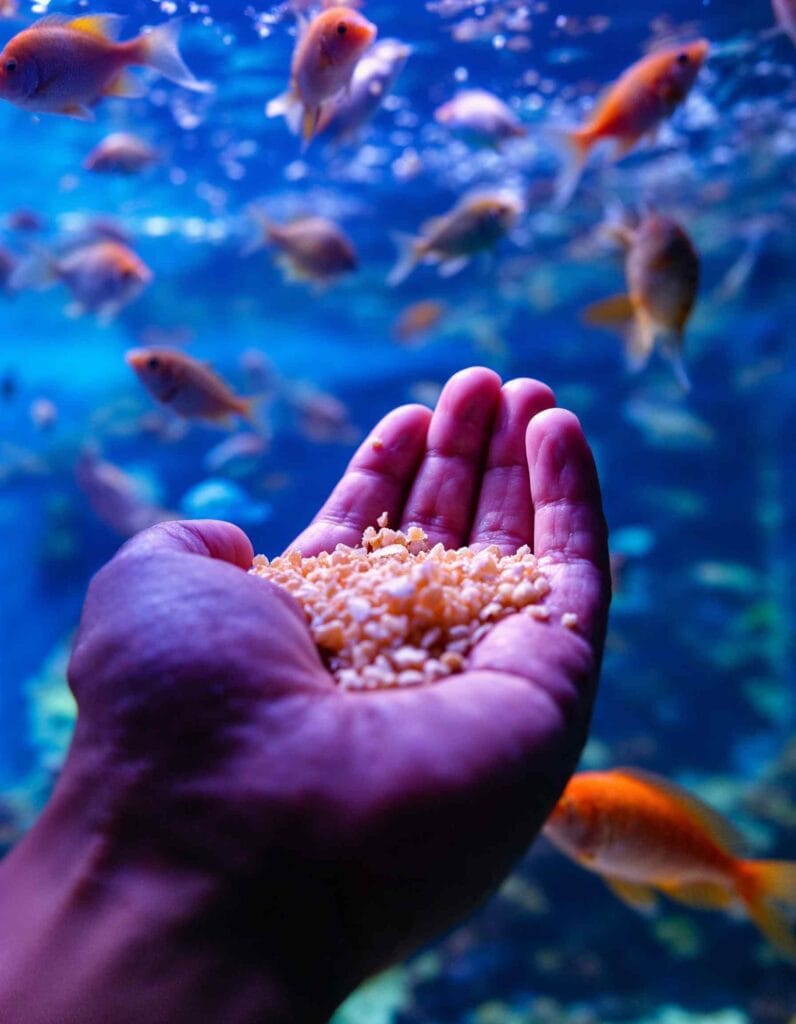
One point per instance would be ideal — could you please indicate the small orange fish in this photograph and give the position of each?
(475, 224)
(121, 153)
(63, 65)
(418, 320)
(642, 833)
(785, 13)
(326, 53)
(662, 270)
(188, 387)
(310, 249)
(634, 106)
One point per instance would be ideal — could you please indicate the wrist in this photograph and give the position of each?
(90, 933)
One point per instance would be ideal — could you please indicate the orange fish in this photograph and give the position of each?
(311, 249)
(662, 270)
(121, 153)
(642, 834)
(785, 13)
(418, 320)
(63, 65)
(634, 106)
(326, 53)
(188, 387)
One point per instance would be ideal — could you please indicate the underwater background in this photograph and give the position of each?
(698, 682)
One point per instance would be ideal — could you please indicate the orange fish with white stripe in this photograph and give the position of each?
(644, 835)
(634, 106)
(63, 65)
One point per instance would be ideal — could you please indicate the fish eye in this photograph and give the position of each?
(11, 65)
(682, 59)
(153, 363)
(342, 28)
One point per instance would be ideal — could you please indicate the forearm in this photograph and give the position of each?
(87, 937)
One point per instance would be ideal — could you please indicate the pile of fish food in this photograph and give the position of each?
(395, 612)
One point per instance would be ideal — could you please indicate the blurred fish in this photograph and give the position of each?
(662, 272)
(8, 264)
(372, 81)
(222, 499)
(116, 498)
(418, 320)
(669, 425)
(311, 249)
(121, 153)
(103, 276)
(186, 386)
(43, 413)
(634, 106)
(642, 833)
(322, 417)
(481, 118)
(785, 12)
(24, 220)
(475, 224)
(64, 65)
(236, 453)
(9, 8)
(326, 53)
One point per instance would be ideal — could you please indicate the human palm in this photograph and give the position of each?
(348, 828)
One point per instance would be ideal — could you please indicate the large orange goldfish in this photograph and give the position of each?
(326, 53)
(63, 65)
(662, 270)
(642, 834)
(634, 106)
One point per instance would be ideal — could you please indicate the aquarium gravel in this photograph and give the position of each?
(397, 612)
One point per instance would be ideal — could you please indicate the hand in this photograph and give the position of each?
(289, 836)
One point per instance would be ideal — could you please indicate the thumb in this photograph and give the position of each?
(206, 537)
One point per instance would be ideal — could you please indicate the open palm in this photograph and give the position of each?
(348, 828)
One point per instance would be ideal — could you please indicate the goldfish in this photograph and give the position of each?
(63, 65)
(326, 53)
(418, 320)
(121, 153)
(103, 276)
(311, 249)
(188, 387)
(475, 224)
(480, 117)
(662, 270)
(643, 834)
(634, 106)
(785, 13)
(372, 81)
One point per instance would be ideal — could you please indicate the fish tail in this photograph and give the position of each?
(37, 271)
(289, 106)
(762, 886)
(619, 313)
(260, 235)
(672, 349)
(159, 49)
(408, 254)
(577, 145)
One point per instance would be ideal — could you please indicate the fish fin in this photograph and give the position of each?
(289, 106)
(624, 146)
(103, 26)
(638, 897)
(126, 86)
(578, 146)
(79, 112)
(259, 237)
(159, 49)
(721, 831)
(705, 895)
(408, 255)
(450, 268)
(309, 124)
(616, 313)
(773, 882)
(671, 348)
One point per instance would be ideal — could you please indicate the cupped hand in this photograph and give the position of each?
(341, 830)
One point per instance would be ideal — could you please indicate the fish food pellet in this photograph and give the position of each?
(396, 612)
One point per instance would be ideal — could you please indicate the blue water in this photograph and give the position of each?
(699, 677)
